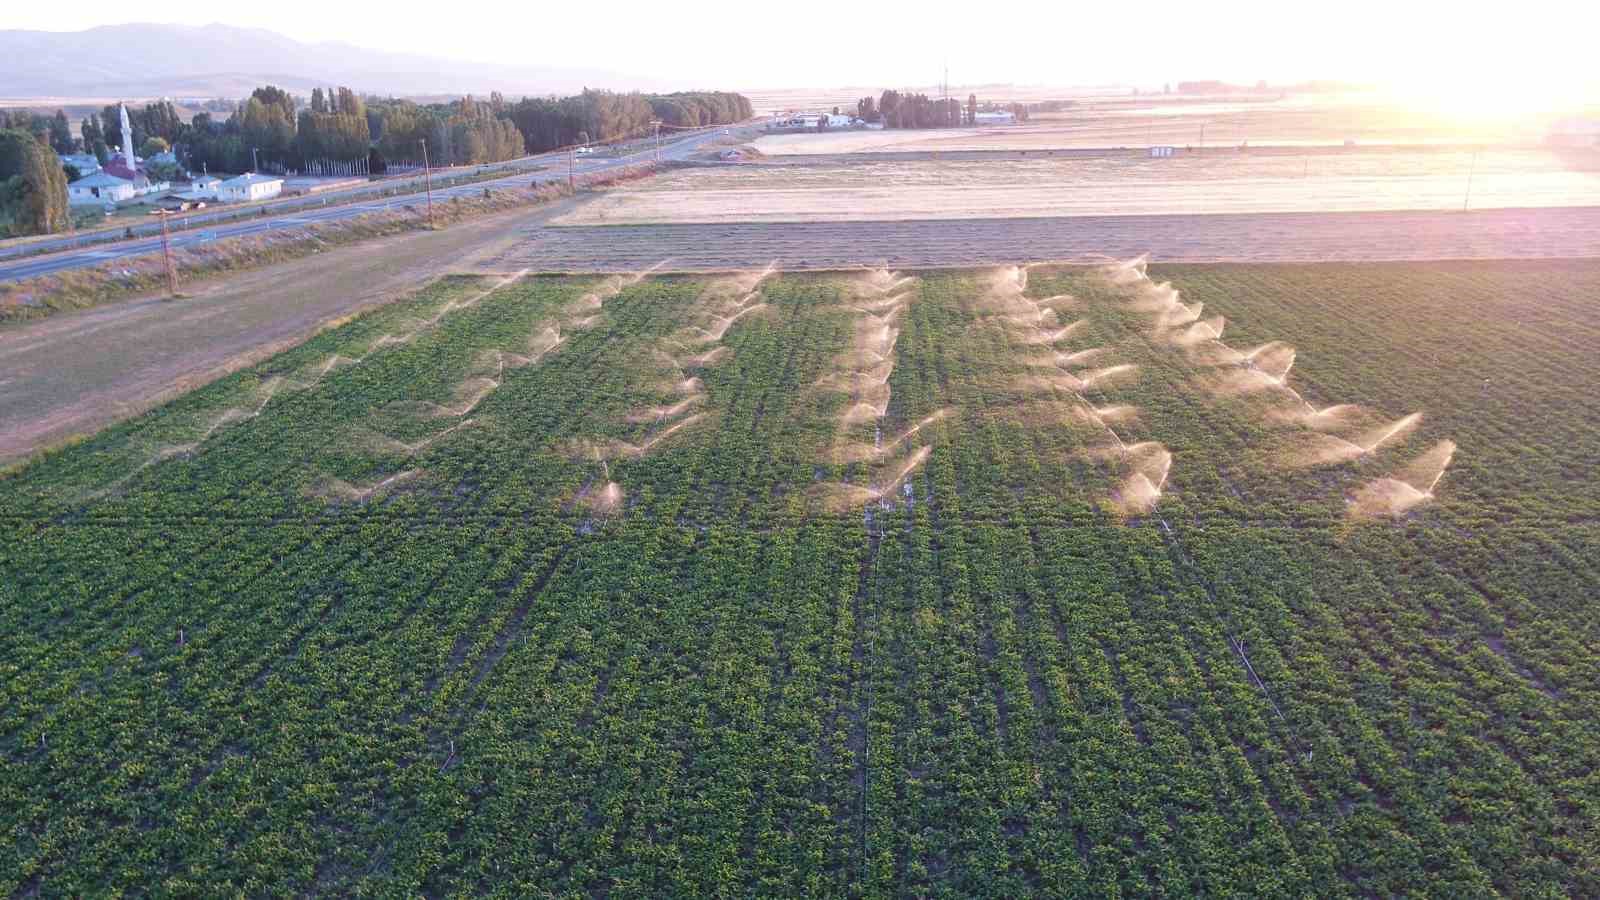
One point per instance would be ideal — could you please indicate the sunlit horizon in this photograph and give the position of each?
(1528, 59)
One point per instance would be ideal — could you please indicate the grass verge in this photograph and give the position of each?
(120, 279)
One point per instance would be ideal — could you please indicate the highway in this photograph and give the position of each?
(551, 167)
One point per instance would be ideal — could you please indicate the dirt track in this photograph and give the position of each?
(1259, 237)
(75, 373)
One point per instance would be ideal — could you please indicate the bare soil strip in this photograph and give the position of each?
(1557, 233)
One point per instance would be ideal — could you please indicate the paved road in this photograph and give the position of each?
(313, 211)
(1254, 237)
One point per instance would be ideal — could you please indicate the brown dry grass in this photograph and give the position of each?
(120, 279)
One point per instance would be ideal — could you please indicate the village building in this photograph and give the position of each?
(118, 180)
(99, 189)
(201, 187)
(995, 117)
(249, 187)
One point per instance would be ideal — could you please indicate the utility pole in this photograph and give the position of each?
(1470, 170)
(572, 162)
(657, 125)
(166, 252)
(254, 166)
(427, 180)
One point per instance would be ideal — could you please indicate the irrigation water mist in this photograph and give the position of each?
(1328, 418)
(1079, 357)
(1148, 464)
(657, 413)
(863, 371)
(1096, 378)
(1116, 413)
(336, 489)
(1330, 450)
(665, 433)
(1041, 336)
(1200, 333)
(604, 500)
(723, 323)
(1413, 486)
(877, 282)
(384, 444)
(1141, 490)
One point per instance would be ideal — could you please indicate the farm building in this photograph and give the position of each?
(810, 121)
(204, 187)
(249, 187)
(996, 117)
(99, 189)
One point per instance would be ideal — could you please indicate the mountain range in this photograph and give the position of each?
(156, 60)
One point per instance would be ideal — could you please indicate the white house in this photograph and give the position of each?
(202, 187)
(810, 121)
(98, 190)
(249, 187)
(997, 117)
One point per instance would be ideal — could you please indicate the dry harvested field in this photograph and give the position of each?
(1482, 234)
(1112, 184)
(774, 100)
(1124, 121)
(1116, 581)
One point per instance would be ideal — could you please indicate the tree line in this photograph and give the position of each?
(33, 186)
(340, 125)
(270, 130)
(908, 109)
(547, 123)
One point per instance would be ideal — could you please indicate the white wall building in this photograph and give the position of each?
(98, 190)
(203, 187)
(249, 187)
(810, 121)
(997, 117)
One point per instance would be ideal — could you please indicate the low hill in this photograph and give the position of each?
(224, 61)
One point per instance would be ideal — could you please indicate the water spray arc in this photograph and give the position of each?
(1133, 273)
(491, 365)
(1147, 464)
(878, 298)
(725, 302)
(1264, 368)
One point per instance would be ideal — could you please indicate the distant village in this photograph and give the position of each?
(130, 159)
(127, 177)
(897, 109)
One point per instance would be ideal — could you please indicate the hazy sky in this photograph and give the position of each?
(1450, 48)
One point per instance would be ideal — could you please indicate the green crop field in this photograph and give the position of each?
(986, 583)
